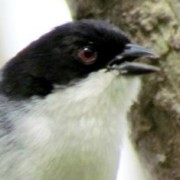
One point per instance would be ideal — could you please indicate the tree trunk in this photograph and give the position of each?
(155, 119)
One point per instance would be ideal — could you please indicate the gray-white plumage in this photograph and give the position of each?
(46, 138)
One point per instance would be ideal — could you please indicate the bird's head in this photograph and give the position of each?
(69, 53)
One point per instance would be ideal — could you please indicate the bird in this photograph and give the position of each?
(64, 101)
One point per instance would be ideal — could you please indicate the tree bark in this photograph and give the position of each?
(155, 119)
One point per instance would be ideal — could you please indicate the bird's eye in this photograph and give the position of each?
(87, 55)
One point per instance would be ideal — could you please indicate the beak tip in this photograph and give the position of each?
(154, 69)
(154, 56)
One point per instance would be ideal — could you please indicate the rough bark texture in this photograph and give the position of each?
(156, 117)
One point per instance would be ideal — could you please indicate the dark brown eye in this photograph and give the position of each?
(87, 55)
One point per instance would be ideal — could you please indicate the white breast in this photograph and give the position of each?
(75, 133)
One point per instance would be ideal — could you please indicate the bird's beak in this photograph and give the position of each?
(124, 61)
